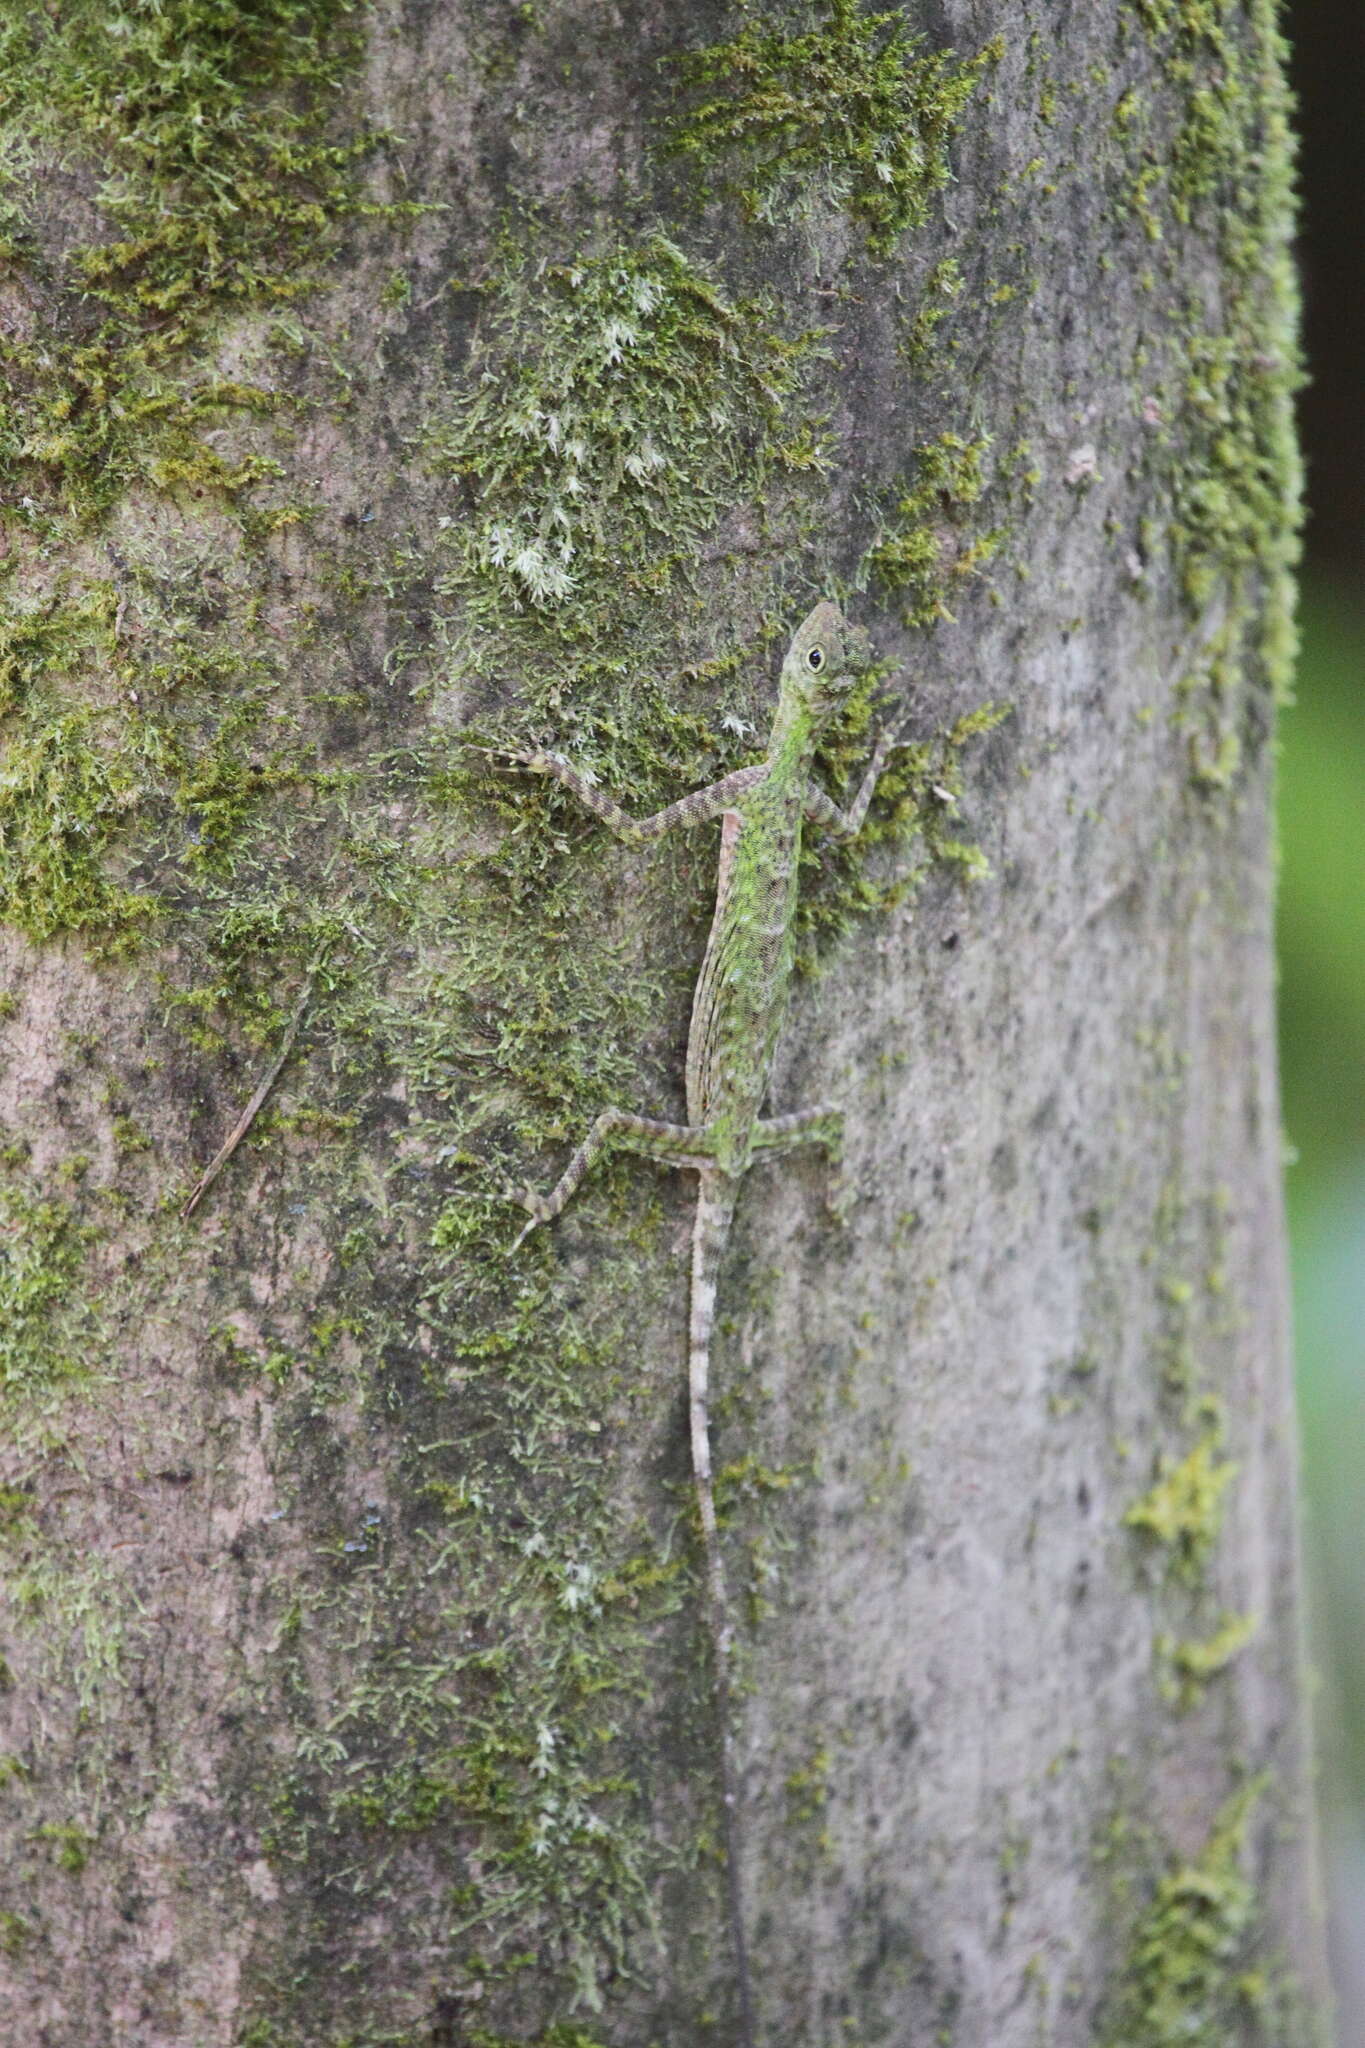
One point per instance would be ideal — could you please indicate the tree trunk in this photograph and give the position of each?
(379, 379)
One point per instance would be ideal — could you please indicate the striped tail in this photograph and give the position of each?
(715, 1207)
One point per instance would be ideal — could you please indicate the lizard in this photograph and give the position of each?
(738, 1009)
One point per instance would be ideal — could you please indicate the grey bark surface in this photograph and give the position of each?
(1004, 1449)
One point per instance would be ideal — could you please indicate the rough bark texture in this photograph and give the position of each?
(379, 375)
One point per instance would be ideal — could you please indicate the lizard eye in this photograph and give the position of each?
(815, 658)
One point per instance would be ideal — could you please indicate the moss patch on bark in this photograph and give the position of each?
(1193, 1975)
(854, 114)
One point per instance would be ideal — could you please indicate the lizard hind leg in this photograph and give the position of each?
(823, 1126)
(616, 1130)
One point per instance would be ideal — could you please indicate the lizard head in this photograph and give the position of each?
(814, 670)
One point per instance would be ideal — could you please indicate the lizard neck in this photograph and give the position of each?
(792, 740)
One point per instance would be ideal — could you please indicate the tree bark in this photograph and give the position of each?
(379, 380)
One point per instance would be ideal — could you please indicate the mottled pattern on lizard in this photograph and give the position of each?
(737, 1013)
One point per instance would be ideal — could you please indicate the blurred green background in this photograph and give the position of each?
(1322, 1034)
(1322, 953)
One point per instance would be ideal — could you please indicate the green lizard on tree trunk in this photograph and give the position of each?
(737, 1014)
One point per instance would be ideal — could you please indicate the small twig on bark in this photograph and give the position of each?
(253, 1108)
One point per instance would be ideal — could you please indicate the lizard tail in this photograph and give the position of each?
(715, 1207)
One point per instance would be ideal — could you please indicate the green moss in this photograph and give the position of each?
(42, 1248)
(623, 412)
(1220, 171)
(1208, 712)
(1185, 1668)
(70, 1845)
(623, 404)
(506, 1622)
(504, 1728)
(129, 1137)
(60, 801)
(220, 183)
(508, 1629)
(49, 637)
(922, 555)
(626, 411)
(104, 737)
(916, 822)
(15, 1933)
(1189, 1981)
(504, 1723)
(1183, 1511)
(943, 291)
(1230, 511)
(79, 1614)
(62, 789)
(807, 1788)
(563, 2035)
(852, 114)
(16, 1508)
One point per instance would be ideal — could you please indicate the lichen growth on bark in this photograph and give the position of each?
(1191, 1980)
(1183, 1511)
(1217, 171)
(1185, 1667)
(621, 402)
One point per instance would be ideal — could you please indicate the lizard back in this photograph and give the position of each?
(741, 992)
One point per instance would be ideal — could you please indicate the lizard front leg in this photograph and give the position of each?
(822, 809)
(697, 809)
(671, 1144)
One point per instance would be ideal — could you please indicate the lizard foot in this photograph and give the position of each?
(525, 1198)
(893, 736)
(529, 760)
(506, 757)
(541, 1212)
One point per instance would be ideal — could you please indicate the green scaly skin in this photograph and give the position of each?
(737, 1014)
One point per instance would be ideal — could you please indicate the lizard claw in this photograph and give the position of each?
(532, 760)
(504, 756)
(892, 737)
